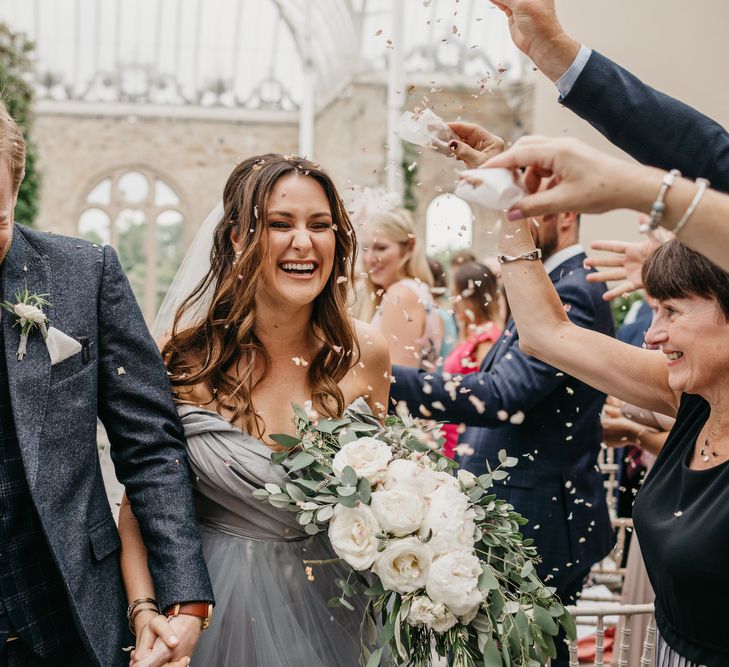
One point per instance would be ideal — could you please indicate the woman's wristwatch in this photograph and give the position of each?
(203, 611)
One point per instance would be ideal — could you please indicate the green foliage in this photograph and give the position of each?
(16, 90)
(410, 170)
(621, 306)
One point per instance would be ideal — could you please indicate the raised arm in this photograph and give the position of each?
(649, 125)
(592, 182)
(631, 374)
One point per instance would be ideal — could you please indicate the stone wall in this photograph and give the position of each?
(195, 156)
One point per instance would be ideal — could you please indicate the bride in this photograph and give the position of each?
(267, 326)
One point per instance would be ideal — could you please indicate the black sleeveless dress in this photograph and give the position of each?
(682, 521)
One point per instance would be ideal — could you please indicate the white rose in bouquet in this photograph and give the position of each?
(433, 614)
(403, 565)
(453, 580)
(467, 479)
(398, 512)
(352, 533)
(443, 478)
(450, 518)
(410, 477)
(30, 313)
(368, 457)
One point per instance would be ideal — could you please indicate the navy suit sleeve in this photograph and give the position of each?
(516, 382)
(652, 127)
(136, 408)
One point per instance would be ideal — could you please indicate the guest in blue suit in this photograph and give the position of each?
(547, 419)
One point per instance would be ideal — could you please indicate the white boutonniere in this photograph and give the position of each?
(29, 313)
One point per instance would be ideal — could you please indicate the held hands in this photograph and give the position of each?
(536, 31)
(163, 642)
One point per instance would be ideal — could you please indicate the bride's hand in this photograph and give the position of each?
(159, 643)
(144, 634)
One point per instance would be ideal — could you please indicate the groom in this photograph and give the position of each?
(62, 601)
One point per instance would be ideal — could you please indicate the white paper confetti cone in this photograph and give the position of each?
(494, 189)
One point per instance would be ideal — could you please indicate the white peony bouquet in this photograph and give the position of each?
(441, 560)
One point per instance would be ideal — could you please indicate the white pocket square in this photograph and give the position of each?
(60, 346)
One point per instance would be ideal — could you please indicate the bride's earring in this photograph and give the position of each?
(238, 253)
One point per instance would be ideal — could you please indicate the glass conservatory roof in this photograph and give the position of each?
(248, 53)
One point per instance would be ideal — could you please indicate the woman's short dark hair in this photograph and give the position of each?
(674, 271)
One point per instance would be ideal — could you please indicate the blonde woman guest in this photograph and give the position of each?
(399, 281)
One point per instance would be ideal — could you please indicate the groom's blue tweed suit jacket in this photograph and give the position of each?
(556, 484)
(120, 378)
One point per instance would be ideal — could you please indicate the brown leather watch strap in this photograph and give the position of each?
(203, 611)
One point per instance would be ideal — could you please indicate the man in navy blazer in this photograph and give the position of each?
(550, 421)
(651, 126)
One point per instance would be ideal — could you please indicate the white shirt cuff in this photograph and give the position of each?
(567, 80)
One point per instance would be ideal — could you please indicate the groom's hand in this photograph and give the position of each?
(167, 641)
(536, 31)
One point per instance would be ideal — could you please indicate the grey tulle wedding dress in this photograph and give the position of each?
(267, 612)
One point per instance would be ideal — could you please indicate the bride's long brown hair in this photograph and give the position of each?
(223, 338)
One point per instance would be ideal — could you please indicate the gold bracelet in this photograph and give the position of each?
(132, 608)
(136, 613)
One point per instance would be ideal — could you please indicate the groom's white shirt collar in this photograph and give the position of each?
(561, 256)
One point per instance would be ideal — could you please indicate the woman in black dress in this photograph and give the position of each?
(682, 512)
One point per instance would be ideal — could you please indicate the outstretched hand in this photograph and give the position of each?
(536, 31)
(476, 144)
(625, 265)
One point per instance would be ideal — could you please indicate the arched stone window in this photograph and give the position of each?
(142, 216)
(449, 224)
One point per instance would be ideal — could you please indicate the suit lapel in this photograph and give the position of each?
(28, 379)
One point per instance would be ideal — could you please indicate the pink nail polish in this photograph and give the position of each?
(514, 215)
